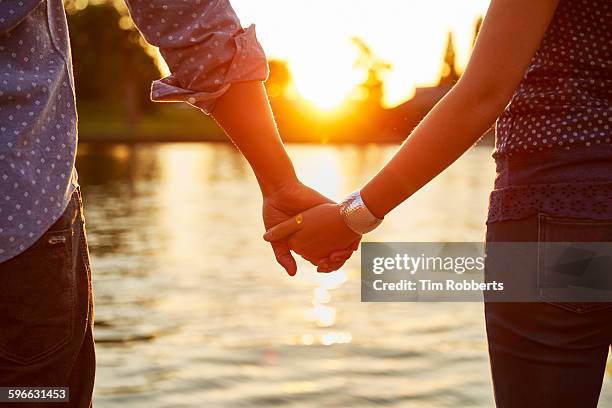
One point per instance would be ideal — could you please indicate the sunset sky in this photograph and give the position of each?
(314, 37)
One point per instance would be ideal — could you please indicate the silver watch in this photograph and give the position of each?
(357, 216)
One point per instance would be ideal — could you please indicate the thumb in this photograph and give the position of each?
(283, 230)
(284, 257)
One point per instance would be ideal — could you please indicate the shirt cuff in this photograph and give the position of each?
(248, 64)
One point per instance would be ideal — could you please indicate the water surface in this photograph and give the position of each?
(192, 310)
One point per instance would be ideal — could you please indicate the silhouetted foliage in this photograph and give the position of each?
(376, 68)
(113, 70)
(110, 65)
(477, 28)
(279, 79)
(449, 68)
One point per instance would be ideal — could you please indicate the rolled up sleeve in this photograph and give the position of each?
(204, 46)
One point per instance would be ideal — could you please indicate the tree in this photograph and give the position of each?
(449, 68)
(111, 66)
(376, 68)
(477, 28)
(279, 79)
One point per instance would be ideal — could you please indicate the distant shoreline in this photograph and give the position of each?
(125, 138)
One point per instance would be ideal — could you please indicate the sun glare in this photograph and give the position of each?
(326, 76)
(321, 90)
(314, 36)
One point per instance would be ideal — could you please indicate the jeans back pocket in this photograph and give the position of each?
(37, 301)
(575, 263)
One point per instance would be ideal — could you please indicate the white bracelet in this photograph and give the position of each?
(356, 214)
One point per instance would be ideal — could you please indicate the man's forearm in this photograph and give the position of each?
(245, 115)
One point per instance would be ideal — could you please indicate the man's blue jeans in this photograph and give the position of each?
(46, 312)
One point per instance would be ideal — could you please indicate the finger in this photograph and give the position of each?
(330, 267)
(313, 261)
(284, 257)
(322, 269)
(342, 254)
(323, 264)
(283, 230)
(333, 266)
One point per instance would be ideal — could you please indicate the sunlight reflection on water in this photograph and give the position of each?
(192, 311)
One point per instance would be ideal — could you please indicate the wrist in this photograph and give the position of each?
(276, 175)
(369, 195)
(357, 216)
(279, 185)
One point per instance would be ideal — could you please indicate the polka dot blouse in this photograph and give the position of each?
(202, 42)
(565, 98)
(553, 141)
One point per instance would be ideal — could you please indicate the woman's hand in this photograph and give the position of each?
(319, 235)
(284, 203)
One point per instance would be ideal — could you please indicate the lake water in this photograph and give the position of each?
(192, 311)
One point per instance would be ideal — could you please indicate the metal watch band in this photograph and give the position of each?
(357, 216)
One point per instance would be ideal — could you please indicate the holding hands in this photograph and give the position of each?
(325, 234)
(299, 218)
(319, 235)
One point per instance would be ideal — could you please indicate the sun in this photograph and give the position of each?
(325, 94)
(326, 76)
(315, 39)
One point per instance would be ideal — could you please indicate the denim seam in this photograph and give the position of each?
(543, 221)
(68, 337)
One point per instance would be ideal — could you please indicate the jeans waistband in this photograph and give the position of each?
(72, 213)
(567, 166)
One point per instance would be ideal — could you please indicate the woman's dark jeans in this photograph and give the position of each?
(547, 354)
(46, 313)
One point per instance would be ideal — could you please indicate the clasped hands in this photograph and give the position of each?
(299, 219)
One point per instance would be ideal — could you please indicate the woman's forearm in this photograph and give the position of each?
(510, 35)
(245, 115)
(450, 129)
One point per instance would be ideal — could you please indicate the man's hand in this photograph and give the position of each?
(320, 236)
(283, 204)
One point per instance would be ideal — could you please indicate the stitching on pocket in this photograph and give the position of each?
(66, 269)
(544, 221)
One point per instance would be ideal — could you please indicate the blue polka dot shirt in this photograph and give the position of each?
(203, 44)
